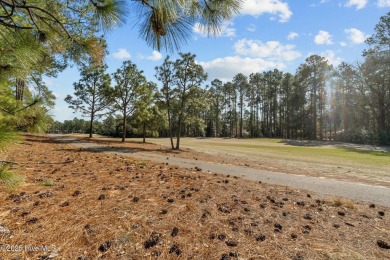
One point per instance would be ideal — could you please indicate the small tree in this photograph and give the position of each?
(188, 75)
(165, 74)
(240, 82)
(146, 113)
(130, 89)
(179, 79)
(92, 93)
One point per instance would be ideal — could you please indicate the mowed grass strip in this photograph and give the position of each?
(277, 148)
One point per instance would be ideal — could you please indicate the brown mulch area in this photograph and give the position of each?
(88, 205)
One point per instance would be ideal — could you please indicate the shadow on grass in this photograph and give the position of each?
(375, 153)
(348, 147)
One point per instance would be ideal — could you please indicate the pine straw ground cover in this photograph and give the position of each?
(106, 206)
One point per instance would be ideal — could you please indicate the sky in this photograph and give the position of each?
(267, 34)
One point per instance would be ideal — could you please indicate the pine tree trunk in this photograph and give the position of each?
(144, 132)
(91, 125)
(124, 126)
(170, 124)
(178, 134)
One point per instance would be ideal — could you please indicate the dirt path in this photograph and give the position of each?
(320, 185)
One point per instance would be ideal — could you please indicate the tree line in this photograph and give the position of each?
(350, 102)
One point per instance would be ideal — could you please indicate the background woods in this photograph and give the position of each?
(349, 102)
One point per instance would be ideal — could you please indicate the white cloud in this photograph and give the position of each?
(226, 68)
(332, 58)
(121, 54)
(320, 3)
(323, 37)
(251, 56)
(57, 95)
(226, 30)
(272, 50)
(259, 7)
(343, 44)
(383, 3)
(292, 36)
(360, 4)
(356, 36)
(155, 56)
(251, 27)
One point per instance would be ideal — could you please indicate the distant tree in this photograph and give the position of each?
(110, 126)
(181, 80)
(240, 82)
(129, 90)
(216, 93)
(230, 109)
(165, 74)
(315, 71)
(188, 76)
(285, 108)
(256, 82)
(92, 93)
(346, 113)
(198, 104)
(146, 113)
(375, 74)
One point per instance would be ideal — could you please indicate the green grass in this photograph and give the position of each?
(142, 164)
(47, 183)
(278, 148)
(10, 180)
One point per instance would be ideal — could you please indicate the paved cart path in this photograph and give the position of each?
(322, 186)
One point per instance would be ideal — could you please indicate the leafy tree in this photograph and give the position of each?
(26, 110)
(216, 96)
(92, 93)
(110, 126)
(315, 72)
(145, 114)
(240, 82)
(188, 76)
(181, 80)
(375, 74)
(43, 36)
(165, 74)
(34, 31)
(256, 97)
(168, 23)
(286, 105)
(70, 126)
(346, 113)
(231, 103)
(129, 90)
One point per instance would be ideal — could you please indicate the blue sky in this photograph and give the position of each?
(267, 34)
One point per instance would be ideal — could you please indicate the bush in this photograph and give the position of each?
(9, 179)
(364, 137)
